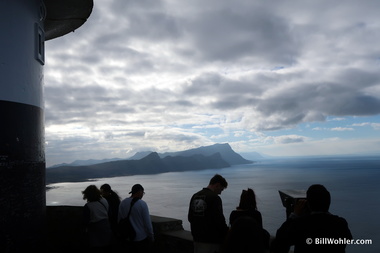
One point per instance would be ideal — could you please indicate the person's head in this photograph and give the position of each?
(91, 193)
(105, 189)
(318, 198)
(247, 200)
(137, 191)
(217, 184)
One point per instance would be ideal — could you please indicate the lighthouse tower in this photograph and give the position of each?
(24, 27)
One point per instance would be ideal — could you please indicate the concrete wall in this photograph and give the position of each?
(66, 232)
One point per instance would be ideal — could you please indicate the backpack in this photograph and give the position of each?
(125, 229)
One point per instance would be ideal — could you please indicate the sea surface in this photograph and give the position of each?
(354, 184)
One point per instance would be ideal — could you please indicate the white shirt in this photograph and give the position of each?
(139, 217)
(98, 210)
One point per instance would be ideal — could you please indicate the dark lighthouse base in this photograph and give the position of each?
(22, 178)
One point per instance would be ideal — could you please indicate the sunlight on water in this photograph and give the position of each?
(353, 185)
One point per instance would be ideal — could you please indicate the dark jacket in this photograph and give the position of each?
(309, 234)
(256, 215)
(206, 217)
(113, 202)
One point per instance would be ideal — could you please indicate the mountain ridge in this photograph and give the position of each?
(224, 149)
(208, 157)
(206, 150)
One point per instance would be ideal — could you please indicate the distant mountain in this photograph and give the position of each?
(194, 162)
(224, 149)
(254, 155)
(140, 155)
(85, 162)
(151, 164)
(209, 157)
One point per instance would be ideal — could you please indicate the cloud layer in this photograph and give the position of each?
(170, 75)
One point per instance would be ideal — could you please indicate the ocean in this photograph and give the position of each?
(354, 184)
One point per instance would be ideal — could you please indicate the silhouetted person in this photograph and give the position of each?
(306, 232)
(95, 217)
(248, 208)
(140, 219)
(244, 236)
(113, 200)
(208, 225)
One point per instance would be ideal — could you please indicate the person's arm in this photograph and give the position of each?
(86, 215)
(121, 211)
(346, 230)
(190, 214)
(232, 217)
(147, 222)
(300, 208)
(285, 234)
(218, 212)
(220, 220)
(283, 240)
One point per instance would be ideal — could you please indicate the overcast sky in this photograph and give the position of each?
(277, 77)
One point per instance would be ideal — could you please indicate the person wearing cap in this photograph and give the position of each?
(139, 218)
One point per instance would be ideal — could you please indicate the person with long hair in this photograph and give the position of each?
(95, 218)
(244, 236)
(113, 200)
(248, 208)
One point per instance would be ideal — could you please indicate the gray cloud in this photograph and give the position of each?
(290, 139)
(253, 34)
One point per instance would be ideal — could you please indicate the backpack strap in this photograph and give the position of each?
(134, 200)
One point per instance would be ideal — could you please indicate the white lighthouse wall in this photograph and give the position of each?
(21, 51)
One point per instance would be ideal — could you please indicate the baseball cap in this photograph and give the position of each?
(136, 188)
